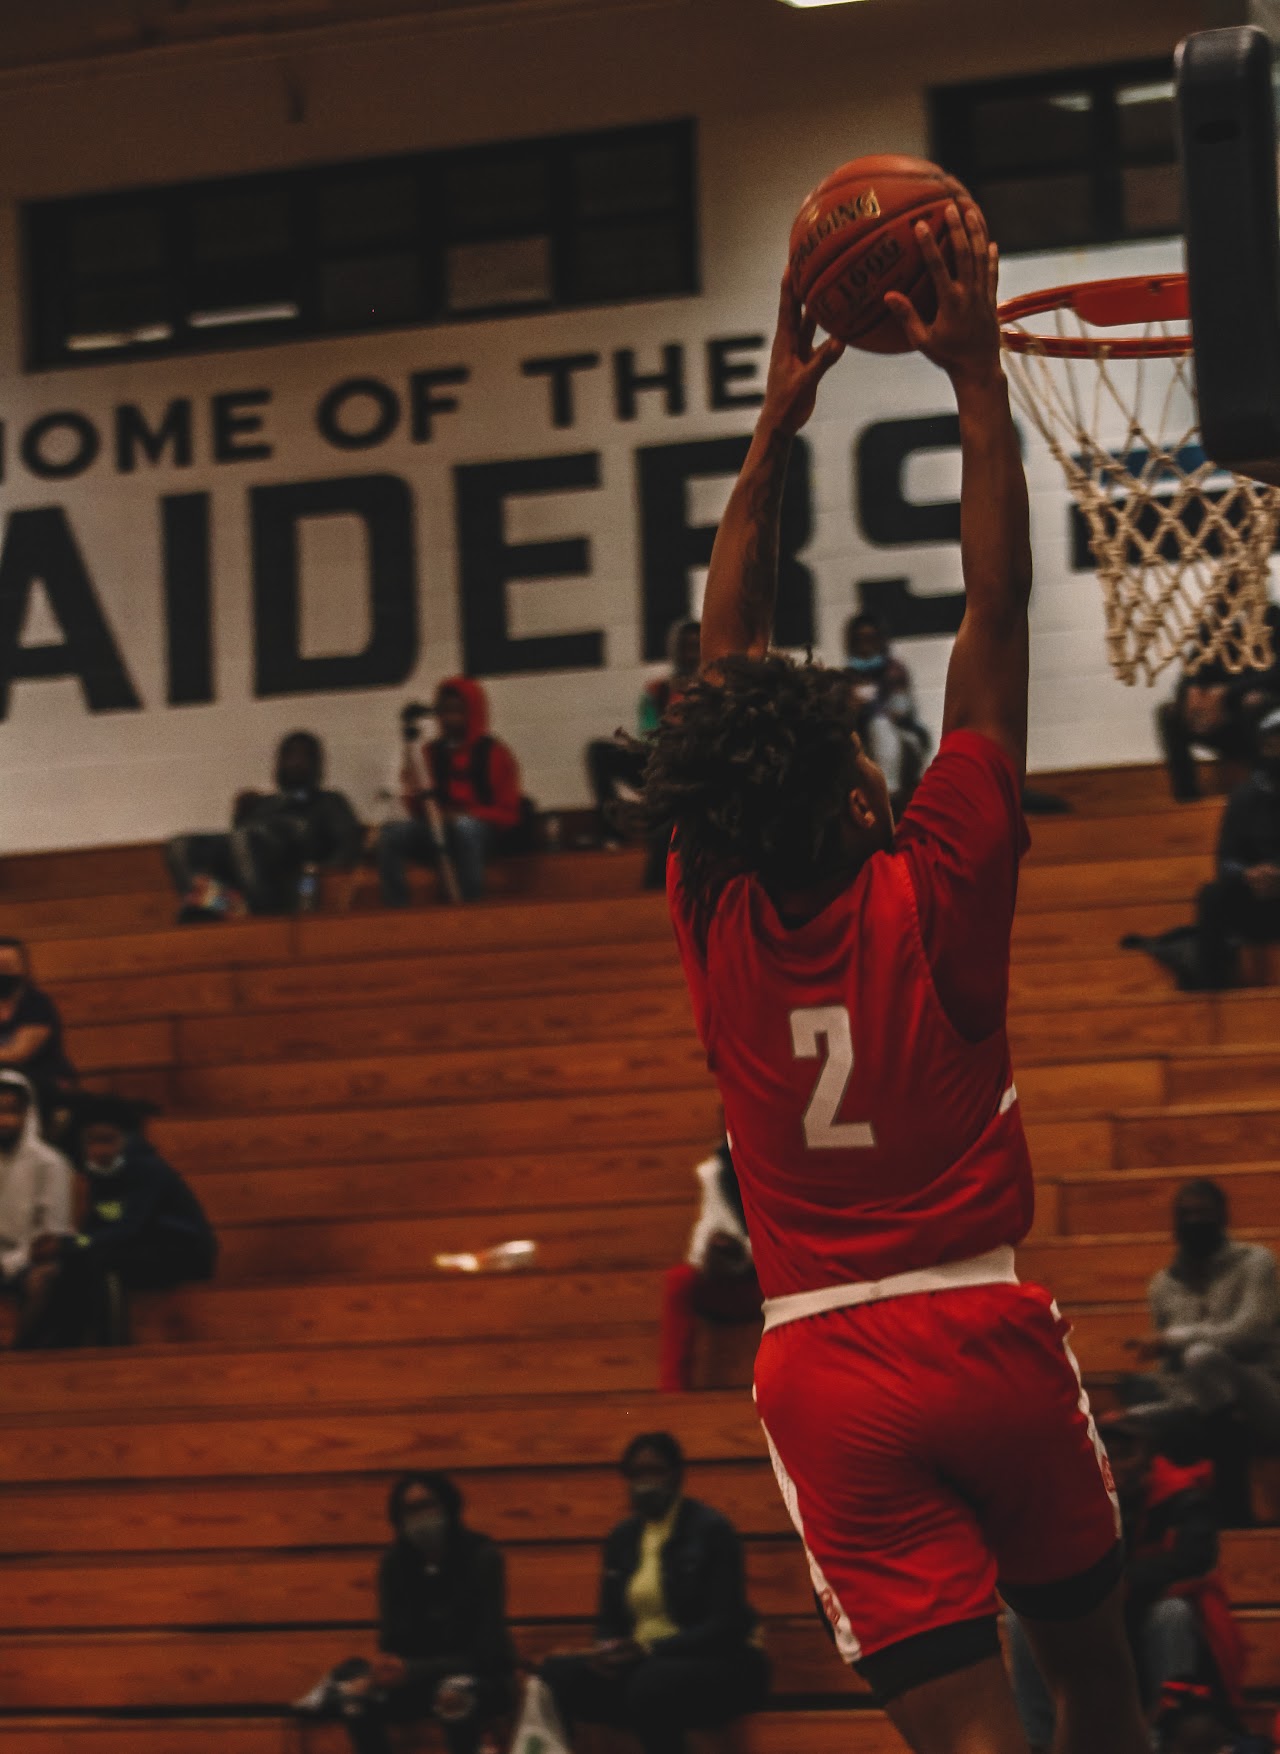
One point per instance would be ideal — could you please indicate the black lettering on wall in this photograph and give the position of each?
(671, 548)
(347, 432)
(87, 445)
(234, 421)
(903, 614)
(39, 547)
(724, 370)
(628, 382)
(488, 563)
(133, 434)
(881, 459)
(188, 598)
(559, 369)
(384, 504)
(424, 404)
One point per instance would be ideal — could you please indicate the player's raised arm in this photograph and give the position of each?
(987, 679)
(742, 583)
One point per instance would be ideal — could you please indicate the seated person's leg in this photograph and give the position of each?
(400, 843)
(610, 764)
(884, 744)
(201, 855)
(679, 1328)
(1033, 1699)
(1171, 1646)
(404, 1705)
(1175, 740)
(668, 1695)
(72, 1302)
(470, 843)
(1221, 909)
(583, 1692)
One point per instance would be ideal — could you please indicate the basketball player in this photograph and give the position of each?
(849, 981)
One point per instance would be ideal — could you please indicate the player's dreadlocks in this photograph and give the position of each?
(754, 771)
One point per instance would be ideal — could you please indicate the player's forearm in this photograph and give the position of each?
(995, 520)
(742, 582)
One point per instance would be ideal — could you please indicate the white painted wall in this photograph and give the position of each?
(781, 96)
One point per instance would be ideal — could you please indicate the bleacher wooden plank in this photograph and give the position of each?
(1226, 1074)
(425, 976)
(186, 1671)
(231, 1590)
(354, 1312)
(1094, 932)
(1158, 833)
(45, 917)
(1246, 1018)
(487, 926)
(1099, 1268)
(563, 1175)
(1141, 1200)
(570, 1240)
(447, 1130)
(1100, 883)
(245, 943)
(856, 1731)
(128, 998)
(484, 1075)
(558, 1430)
(359, 1031)
(119, 1046)
(512, 1505)
(227, 1378)
(1235, 1132)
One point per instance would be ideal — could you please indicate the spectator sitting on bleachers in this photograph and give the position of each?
(675, 1635)
(716, 1280)
(473, 780)
(143, 1229)
(615, 761)
(1214, 709)
(444, 1648)
(1216, 1314)
(888, 722)
(276, 840)
(1177, 1610)
(31, 1032)
(1243, 901)
(35, 1189)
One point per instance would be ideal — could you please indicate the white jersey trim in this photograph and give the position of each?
(996, 1267)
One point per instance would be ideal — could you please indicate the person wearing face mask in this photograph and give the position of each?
(444, 1651)
(31, 1031)
(889, 724)
(275, 838)
(1242, 904)
(473, 779)
(677, 1644)
(143, 1229)
(1216, 1317)
(35, 1197)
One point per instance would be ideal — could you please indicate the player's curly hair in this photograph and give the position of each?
(754, 770)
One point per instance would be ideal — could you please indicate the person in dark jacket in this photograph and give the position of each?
(1215, 709)
(31, 1040)
(1243, 901)
(275, 838)
(444, 1648)
(1177, 1610)
(143, 1229)
(473, 780)
(676, 1639)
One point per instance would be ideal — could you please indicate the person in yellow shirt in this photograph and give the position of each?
(677, 1644)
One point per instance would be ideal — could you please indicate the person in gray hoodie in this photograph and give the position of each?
(35, 1190)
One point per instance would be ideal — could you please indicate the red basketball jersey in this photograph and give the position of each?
(862, 1057)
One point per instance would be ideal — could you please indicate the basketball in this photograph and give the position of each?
(854, 240)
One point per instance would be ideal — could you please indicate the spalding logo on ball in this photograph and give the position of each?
(854, 240)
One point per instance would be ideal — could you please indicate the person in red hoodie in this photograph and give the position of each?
(474, 781)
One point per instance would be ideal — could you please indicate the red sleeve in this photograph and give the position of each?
(692, 957)
(963, 837)
(504, 784)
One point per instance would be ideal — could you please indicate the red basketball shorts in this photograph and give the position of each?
(931, 1450)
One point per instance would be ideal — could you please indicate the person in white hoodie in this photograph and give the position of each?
(35, 1189)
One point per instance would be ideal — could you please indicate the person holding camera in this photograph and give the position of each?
(460, 793)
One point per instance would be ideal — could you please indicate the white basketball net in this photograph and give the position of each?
(1181, 545)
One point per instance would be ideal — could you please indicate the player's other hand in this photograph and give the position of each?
(964, 337)
(795, 368)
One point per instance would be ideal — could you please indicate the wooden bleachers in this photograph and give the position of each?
(192, 1524)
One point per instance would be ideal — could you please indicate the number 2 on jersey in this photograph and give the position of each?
(810, 1026)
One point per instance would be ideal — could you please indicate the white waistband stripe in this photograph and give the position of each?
(994, 1268)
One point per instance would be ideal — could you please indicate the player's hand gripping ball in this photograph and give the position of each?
(854, 240)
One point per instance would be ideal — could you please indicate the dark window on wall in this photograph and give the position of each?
(1064, 159)
(532, 225)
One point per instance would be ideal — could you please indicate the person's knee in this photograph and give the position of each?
(650, 1695)
(1208, 1365)
(1172, 1617)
